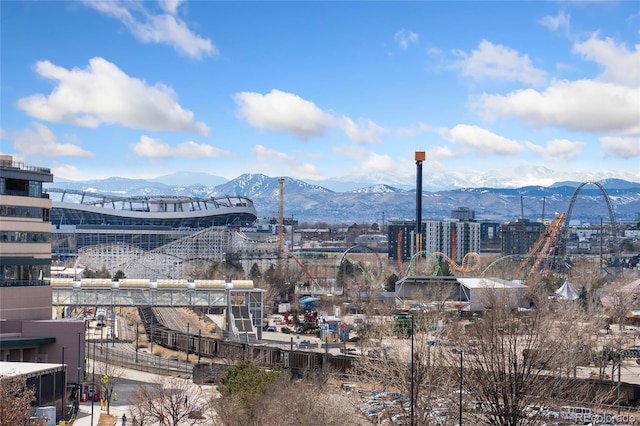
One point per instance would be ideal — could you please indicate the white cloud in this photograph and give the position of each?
(621, 66)
(192, 149)
(494, 61)
(583, 105)
(481, 141)
(285, 112)
(102, 93)
(157, 28)
(69, 171)
(621, 147)
(152, 148)
(440, 153)
(405, 37)
(368, 162)
(266, 154)
(170, 6)
(554, 23)
(42, 141)
(295, 166)
(367, 132)
(379, 163)
(562, 150)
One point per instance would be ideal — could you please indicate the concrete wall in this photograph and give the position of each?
(26, 303)
(66, 334)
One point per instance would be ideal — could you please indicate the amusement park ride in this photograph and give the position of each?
(543, 251)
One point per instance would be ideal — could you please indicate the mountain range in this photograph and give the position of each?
(312, 203)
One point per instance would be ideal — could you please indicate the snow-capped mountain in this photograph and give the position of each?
(314, 203)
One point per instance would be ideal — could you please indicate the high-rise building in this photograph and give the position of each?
(28, 332)
(519, 237)
(463, 213)
(25, 242)
(451, 237)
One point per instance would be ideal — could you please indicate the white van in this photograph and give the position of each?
(576, 414)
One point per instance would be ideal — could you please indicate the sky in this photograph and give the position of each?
(512, 93)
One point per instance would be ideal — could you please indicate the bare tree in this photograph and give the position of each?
(15, 401)
(285, 402)
(170, 402)
(512, 360)
(390, 368)
(108, 375)
(308, 402)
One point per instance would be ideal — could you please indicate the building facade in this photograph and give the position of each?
(149, 236)
(519, 237)
(453, 238)
(25, 241)
(28, 332)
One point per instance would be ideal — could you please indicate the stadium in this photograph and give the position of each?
(148, 236)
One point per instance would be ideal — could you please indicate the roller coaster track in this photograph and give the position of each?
(470, 263)
(545, 247)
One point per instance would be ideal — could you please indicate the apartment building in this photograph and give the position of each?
(28, 331)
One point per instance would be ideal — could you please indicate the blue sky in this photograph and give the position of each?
(501, 93)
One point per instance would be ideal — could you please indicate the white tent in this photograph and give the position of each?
(567, 291)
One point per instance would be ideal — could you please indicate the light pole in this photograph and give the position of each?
(113, 326)
(199, 344)
(78, 379)
(93, 378)
(412, 375)
(460, 391)
(64, 392)
(137, 330)
(187, 344)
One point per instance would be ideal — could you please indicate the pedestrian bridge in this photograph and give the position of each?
(160, 293)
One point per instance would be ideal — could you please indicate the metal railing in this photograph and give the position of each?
(123, 355)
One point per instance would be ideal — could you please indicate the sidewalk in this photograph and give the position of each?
(100, 418)
(129, 383)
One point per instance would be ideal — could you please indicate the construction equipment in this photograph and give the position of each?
(545, 247)
(312, 280)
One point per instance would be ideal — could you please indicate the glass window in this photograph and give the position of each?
(35, 189)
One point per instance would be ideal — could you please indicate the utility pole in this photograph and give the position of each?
(412, 375)
(78, 379)
(460, 390)
(64, 392)
(137, 331)
(93, 378)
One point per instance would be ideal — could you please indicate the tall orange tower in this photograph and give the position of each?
(420, 156)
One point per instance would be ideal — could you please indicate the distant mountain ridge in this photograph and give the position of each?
(314, 203)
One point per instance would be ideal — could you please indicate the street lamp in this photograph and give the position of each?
(93, 378)
(412, 375)
(137, 330)
(78, 379)
(64, 392)
(460, 390)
